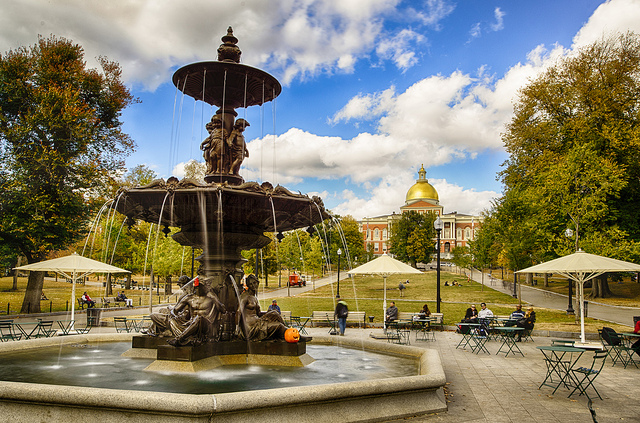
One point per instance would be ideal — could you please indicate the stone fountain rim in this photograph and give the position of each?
(431, 377)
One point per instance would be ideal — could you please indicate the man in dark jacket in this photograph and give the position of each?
(341, 312)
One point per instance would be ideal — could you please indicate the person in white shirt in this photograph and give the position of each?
(483, 317)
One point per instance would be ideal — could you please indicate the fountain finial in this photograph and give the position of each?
(228, 50)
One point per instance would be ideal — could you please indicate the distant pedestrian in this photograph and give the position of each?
(401, 287)
(341, 312)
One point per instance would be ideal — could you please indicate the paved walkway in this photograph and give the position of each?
(489, 388)
(543, 298)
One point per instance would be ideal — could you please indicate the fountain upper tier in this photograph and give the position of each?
(235, 84)
(246, 208)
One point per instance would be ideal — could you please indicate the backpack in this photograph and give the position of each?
(610, 336)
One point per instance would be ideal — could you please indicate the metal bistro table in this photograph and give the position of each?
(508, 336)
(468, 331)
(424, 332)
(629, 338)
(554, 356)
(300, 322)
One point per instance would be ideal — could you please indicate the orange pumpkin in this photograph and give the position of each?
(292, 335)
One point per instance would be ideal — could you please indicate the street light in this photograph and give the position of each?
(338, 291)
(438, 225)
(569, 233)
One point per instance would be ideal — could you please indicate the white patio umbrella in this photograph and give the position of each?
(384, 266)
(581, 267)
(73, 267)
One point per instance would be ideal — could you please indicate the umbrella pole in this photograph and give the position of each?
(384, 304)
(582, 337)
(73, 296)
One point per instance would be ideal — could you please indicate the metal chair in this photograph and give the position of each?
(589, 374)
(8, 333)
(332, 327)
(121, 324)
(616, 348)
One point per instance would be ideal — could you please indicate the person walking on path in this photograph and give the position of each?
(401, 287)
(341, 312)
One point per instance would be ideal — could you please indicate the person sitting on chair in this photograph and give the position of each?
(274, 306)
(425, 312)
(392, 313)
(527, 322)
(636, 345)
(87, 300)
(515, 316)
(471, 315)
(484, 316)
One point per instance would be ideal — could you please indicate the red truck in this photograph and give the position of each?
(297, 280)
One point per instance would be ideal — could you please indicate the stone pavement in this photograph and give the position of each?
(493, 389)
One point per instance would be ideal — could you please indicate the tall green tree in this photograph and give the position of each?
(61, 141)
(574, 150)
(412, 237)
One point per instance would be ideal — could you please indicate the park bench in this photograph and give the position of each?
(320, 317)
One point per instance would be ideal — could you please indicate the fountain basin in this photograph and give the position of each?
(369, 400)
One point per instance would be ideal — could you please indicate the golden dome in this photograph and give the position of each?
(422, 189)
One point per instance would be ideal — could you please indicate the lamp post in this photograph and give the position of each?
(338, 290)
(438, 225)
(569, 233)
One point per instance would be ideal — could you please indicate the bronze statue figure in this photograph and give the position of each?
(254, 325)
(214, 145)
(237, 145)
(193, 320)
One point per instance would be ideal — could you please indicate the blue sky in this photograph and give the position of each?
(372, 89)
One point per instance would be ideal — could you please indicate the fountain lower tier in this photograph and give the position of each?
(209, 349)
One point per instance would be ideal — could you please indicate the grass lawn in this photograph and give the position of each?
(366, 294)
(626, 292)
(59, 294)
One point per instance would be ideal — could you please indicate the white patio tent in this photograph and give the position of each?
(581, 267)
(73, 267)
(383, 266)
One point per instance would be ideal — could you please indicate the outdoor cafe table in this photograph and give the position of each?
(508, 336)
(557, 365)
(36, 332)
(424, 332)
(629, 338)
(300, 322)
(468, 332)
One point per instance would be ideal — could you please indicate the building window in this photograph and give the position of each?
(447, 247)
(447, 233)
(376, 247)
(384, 234)
(368, 233)
(467, 233)
(376, 234)
(458, 233)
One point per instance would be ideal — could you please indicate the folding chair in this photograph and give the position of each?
(121, 324)
(589, 374)
(8, 333)
(332, 327)
(45, 329)
(616, 348)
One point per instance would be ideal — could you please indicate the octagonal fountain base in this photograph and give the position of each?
(360, 401)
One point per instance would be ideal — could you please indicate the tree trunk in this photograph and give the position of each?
(31, 302)
(167, 286)
(600, 288)
(127, 284)
(109, 290)
(530, 279)
(546, 280)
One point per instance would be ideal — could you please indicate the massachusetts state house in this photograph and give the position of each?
(422, 197)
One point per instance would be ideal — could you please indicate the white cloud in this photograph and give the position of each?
(149, 38)
(611, 16)
(499, 23)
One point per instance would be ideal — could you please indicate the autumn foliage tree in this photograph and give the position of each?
(61, 141)
(574, 150)
(412, 237)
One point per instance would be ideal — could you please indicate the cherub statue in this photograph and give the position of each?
(213, 145)
(237, 145)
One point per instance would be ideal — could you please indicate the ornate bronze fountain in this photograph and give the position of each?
(223, 216)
